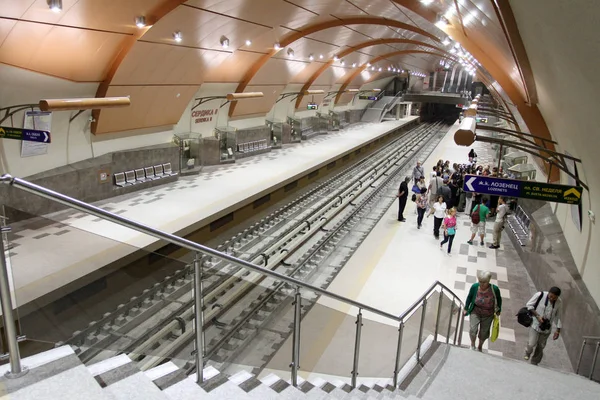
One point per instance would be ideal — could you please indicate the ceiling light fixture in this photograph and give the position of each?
(342, 63)
(177, 36)
(290, 53)
(380, 69)
(140, 21)
(248, 42)
(354, 65)
(446, 41)
(224, 42)
(426, 2)
(442, 21)
(335, 58)
(453, 50)
(311, 57)
(55, 5)
(320, 56)
(277, 46)
(368, 65)
(372, 68)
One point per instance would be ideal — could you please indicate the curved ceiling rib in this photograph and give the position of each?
(152, 18)
(352, 49)
(360, 69)
(292, 37)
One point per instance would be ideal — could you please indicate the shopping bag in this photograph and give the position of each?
(495, 328)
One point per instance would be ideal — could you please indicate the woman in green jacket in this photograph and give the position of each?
(482, 303)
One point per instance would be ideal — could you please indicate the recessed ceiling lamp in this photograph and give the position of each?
(140, 21)
(453, 50)
(248, 42)
(368, 65)
(426, 2)
(177, 36)
(442, 21)
(457, 45)
(342, 63)
(446, 41)
(380, 69)
(277, 46)
(290, 53)
(353, 65)
(335, 58)
(320, 56)
(389, 68)
(224, 42)
(372, 68)
(55, 5)
(311, 57)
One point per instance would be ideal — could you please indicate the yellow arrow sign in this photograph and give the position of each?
(572, 191)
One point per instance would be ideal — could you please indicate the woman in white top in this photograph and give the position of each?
(439, 212)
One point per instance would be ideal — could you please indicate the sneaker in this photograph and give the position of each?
(418, 226)
(526, 357)
(473, 348)
(449, 255)
(469, 241)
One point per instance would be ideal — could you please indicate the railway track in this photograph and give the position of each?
(309, 238)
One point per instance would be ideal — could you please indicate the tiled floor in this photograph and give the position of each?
(48, 253)
(398, 262)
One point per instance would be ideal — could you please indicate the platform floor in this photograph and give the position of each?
(49, 253)
(397, 263)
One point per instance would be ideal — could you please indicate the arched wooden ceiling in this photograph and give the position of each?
(97, 41)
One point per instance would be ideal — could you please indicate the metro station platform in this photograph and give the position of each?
(49, 253)
(397, 263)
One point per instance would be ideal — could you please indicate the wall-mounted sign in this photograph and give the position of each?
(312, 106)
(481, 119)
(367, 97)
(30, 135)
(206, 115)
(39, 121)
(525, 189)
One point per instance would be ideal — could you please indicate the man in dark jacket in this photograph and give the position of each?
(402, 197)
(446, 193)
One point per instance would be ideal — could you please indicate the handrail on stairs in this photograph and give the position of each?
(595, 358)
(15, 362)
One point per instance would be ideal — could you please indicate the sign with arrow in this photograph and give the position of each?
(523, 189)
(30, 135)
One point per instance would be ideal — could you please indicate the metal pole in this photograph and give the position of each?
(423, 313)
(296, 339)
(457, 323)
(580, 356)
(549, 172)
(594, 361)
(199, 318)
(398, 350)
(356, 347)
(500, 160)
(16, 369)
(437, 319)
(449, 323)
(462, 325)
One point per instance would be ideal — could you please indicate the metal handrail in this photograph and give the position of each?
(595, 357)
(187, 244)
(591, 337)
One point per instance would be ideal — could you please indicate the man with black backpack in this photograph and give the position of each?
(478, 216)
(545, 308)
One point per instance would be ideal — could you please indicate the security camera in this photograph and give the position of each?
(91, 119)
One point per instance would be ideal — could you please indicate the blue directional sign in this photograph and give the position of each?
(525, 189)
(30, 135)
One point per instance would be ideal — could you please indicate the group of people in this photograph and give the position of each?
(484, 301)
(443, 197)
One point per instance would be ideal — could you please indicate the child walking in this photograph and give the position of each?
(449, 226)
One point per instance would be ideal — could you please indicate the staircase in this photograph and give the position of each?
(376, 112)
(444, 372)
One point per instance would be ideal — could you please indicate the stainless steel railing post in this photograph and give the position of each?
(422, 325)
(462, 325)
(398, 350)
(457, 322)
(296, 338)
(580, 356)
(594, 360)
(199, 318)
(449, 322)
(16, 369)
(356, 347)
(439, 312)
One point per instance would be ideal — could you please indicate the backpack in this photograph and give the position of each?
(524, 315)
(475, 218)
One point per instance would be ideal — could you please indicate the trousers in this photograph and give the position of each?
(498, 233)
(537, 340)
(449, 239)
(437, 222)
(401, 206)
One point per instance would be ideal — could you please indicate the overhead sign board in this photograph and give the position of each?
(483, 120)
(312, 106)
(30, 135)
(367, 97)
(523, 189)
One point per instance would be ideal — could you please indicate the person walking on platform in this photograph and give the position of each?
(421, 206)
(446, 192)
(483, 301)
(434, 187)
(439, 212)
(546, 309)
(402, 197)
(449, 227)
(418, 172)
(478, 216)
(501, 213)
